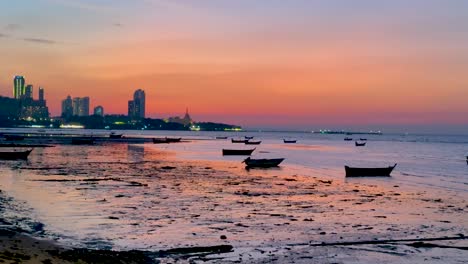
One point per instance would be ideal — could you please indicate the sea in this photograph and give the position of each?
(89, 214)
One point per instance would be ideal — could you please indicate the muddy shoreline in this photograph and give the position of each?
(180, 211)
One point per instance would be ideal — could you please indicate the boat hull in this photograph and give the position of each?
(239, 152)
(289, 141)
(239, 141)
(360, 144)
(15, 155)
(82, 141)
(262, 163)
(253, 142)
(368, 172)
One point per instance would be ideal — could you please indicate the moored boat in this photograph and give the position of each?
(82, 141)
(363, 139)
(248, 138)
(366, 172)
(358, 144)
(239, 140)
(166, 140)
(262, 163)
(348, 139)
(115, 136)
(253, 142)
(289, 141)
(15, 155)
(242, 152)
(221, 137)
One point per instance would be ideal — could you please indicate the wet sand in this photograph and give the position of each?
(150, 200)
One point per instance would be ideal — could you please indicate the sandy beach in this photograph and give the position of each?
(155, 207)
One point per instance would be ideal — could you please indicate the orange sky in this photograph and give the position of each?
(285, 64)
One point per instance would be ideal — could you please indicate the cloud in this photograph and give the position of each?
(3, 35)
(41, 41)
(118, 25)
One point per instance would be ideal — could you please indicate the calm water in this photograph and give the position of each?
(118, 214)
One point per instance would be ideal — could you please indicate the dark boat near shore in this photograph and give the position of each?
(248, 138)
(466, 159)
(242, 152)
(221, 137)
(348, 139)
(239, 140)
(360, 144)
(366, 172)
(82, 141)
(15, 155)
(13, 137)
(115, 136)
(253, 142)
(290, 141)
(363, 139)
(261, 163)
(166, 140)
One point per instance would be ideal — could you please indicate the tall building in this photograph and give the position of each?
(18, 87)
(67, 107)
(99, 110)
(28, 91)
(41, 94)
(136, 107)
(81, 106)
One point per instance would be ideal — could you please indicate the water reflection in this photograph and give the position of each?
(135, 153)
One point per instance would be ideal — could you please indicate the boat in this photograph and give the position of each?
(290, 141)
(221, 137)
(239, 140)
(15, 155)
(363, 172)
(359, 144)
(13, 137)
(166, 140)
(348, 139)
(466, 159)
(82, 141)
(253, 142)
(243, 152)
(363, 139)
(248, 138)
(261, 163)
(115, 136)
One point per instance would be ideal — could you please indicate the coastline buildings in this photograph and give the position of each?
(18, 87)
(81, 106)
(136, 107)
(99, 111)
(186, 120)
(67, 107)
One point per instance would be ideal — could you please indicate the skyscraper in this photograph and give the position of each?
(136, 107)
(81, 106)
(18, 87)
(41, 94)
(28, 91)
(67, 107)
(99, 110)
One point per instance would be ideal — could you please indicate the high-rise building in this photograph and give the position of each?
(99, 110)
(28, 92)
(41, 94)
(18, 87)
(81, 106)
(136, 107)
(67, 107)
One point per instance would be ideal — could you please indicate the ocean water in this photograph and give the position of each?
(124, 197)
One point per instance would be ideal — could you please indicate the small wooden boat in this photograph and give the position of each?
(82, 141)
(239, 140)
(242, 152)
(365, 172)
(359, 144)
(253, 142)
(13, 137)
(289, 141)
(348, 139)
(221, 137)
(363, 139)
(115, 136)
(466, 159)
(248, 138)
(261, 163)
(15, 155)
(173, 140)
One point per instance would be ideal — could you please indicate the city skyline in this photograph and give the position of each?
(300, 64)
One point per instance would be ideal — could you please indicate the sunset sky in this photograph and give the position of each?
(264, 63)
